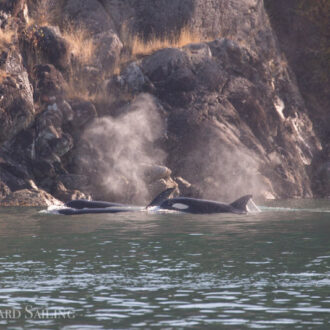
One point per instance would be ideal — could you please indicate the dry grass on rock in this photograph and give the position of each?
(140, 46)
(81, 43)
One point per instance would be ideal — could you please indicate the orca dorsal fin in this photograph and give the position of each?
(240, 204)
(162, 196)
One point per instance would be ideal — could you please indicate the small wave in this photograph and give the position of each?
(252, 207)
(289, 209)
(53, 209)
(157, 209)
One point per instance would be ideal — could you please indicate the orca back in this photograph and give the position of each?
(70, 211)
(84, 203)
(202, 206)
(194, 205)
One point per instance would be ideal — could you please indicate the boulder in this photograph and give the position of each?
(108, 48)
(51, 144)
(65, 195)
(29, 197)
(170, 70)
(49, 83)
(131, 80)
(44, 45)
(51, 46)
(84, 112)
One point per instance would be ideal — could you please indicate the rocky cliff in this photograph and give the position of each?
(118, 100)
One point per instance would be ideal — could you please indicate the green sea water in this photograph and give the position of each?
(169, 271)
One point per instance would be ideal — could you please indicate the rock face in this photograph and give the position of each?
(304, 25)
(228, 112)
(217, 118)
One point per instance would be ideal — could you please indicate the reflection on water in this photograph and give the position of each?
(139, 270)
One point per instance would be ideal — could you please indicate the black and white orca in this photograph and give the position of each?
(83, 206)
(201, 206)
(162, 202)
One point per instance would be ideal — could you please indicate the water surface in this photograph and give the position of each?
(139, 270)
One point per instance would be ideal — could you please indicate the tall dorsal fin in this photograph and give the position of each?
(240, 204)
(162, 196)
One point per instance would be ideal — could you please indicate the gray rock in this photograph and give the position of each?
(60, 192)
(49, 83)
(16, 97)
(84, 113)
(49, 44)
(170, 70)
(198, 53)
(26, 197)
(133, 80)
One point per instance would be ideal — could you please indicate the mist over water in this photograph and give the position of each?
(119, 149)
(222, 167)
(115, 151)
(229, 174)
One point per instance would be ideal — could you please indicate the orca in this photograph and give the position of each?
(162, 202)
(84, 206)
(84, 203)
(202, 206)
(72, 211)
